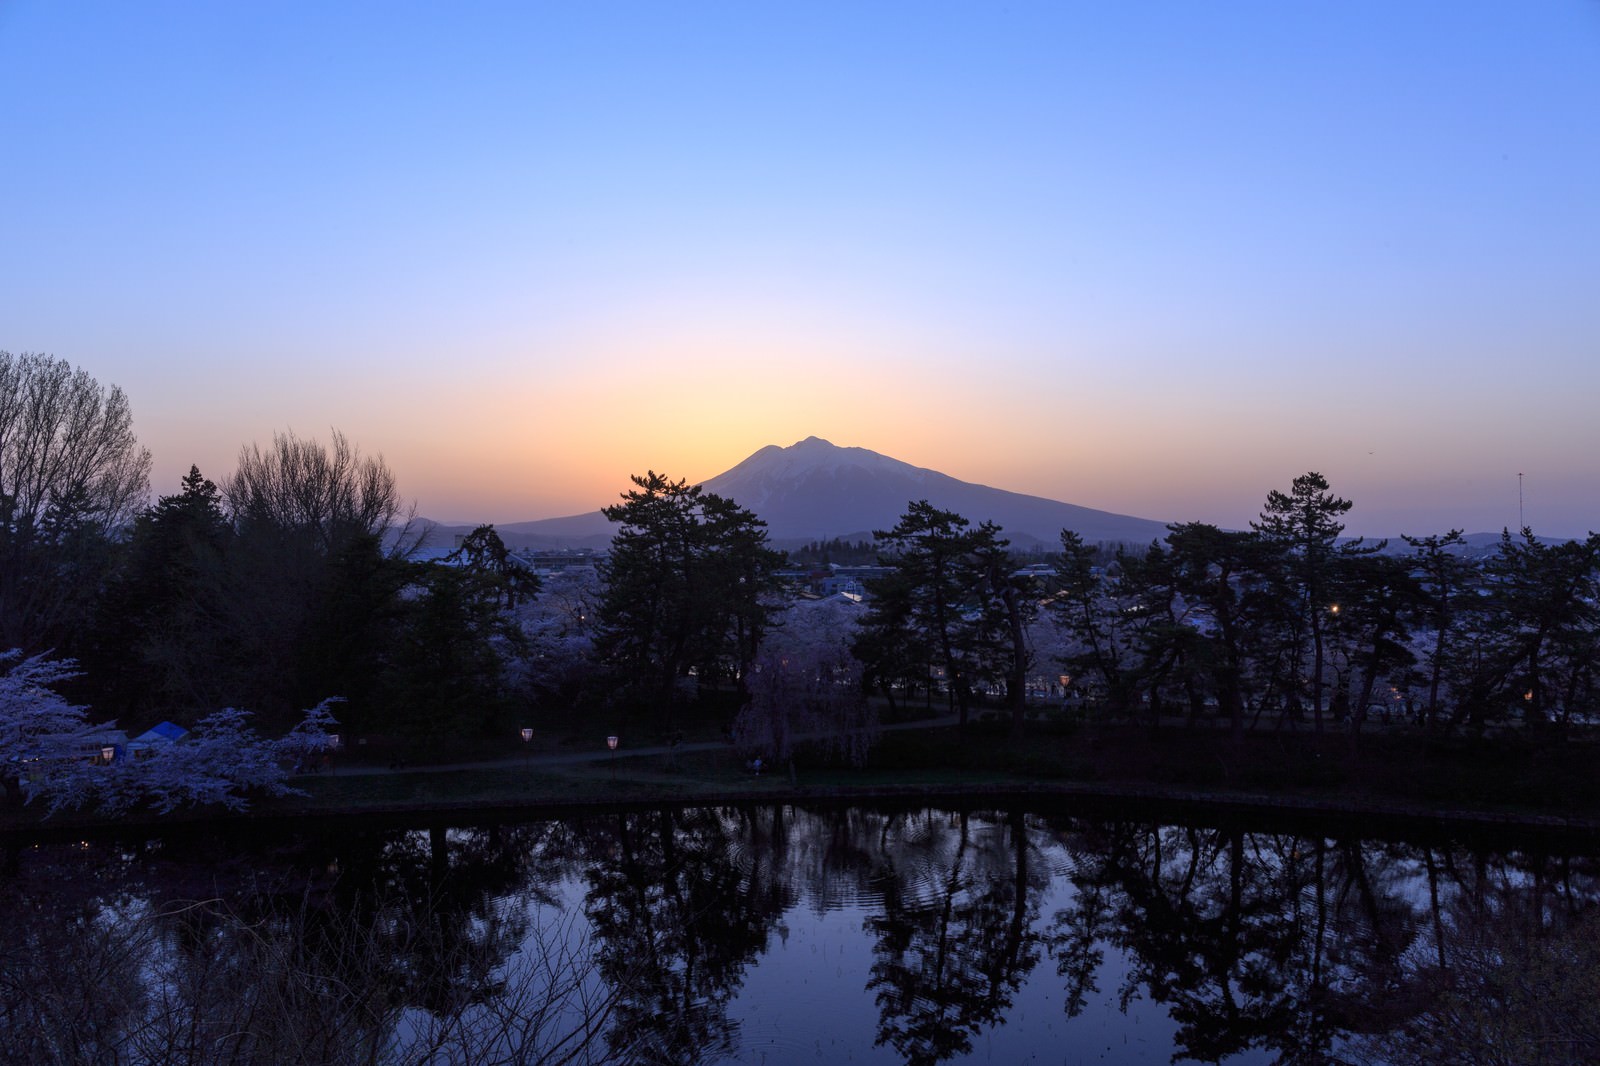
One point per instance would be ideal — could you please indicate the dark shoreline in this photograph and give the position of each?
(1330, 815)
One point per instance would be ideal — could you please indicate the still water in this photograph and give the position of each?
(786, 935)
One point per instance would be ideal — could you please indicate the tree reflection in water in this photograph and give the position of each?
(1328, 951)
(1508, 972)
(629, 938)
(1249, 940)
(676, 919)
(956, 937)
(387, 947)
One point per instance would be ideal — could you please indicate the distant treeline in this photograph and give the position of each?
(1280, 624)
(842, 552)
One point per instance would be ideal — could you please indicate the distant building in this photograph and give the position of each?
(555, 560)
(105, 745)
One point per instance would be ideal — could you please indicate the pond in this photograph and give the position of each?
(784, 934)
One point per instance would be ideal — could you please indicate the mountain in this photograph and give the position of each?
(814, 490)
(589, 530)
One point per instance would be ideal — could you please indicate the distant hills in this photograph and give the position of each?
(815, 490)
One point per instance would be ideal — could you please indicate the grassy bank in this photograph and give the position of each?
(1500, 779)
(1508, 779)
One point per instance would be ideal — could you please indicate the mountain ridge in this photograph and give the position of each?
(816, 490)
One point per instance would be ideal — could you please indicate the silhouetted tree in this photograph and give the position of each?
(483, 554)
(1445, 579)
(937, 610)
(894, 652)
(835, 551)
(1118, 622)
(1303, 526)
(71, 477)
(687, 587)
(1544, 608)
(1009, 609)
(1379, 602)
(315, 574)
(159, 643)
(446, 661)
(1218, 574)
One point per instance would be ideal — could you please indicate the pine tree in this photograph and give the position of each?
(156, 646)
(1445, 578)
(935, 609)
(687, 586)
(1303, 527)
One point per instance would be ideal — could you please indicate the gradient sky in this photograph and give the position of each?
(1156, 258)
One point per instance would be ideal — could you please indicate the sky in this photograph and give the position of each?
(1154, 258)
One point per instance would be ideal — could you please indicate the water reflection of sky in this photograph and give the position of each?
(807, 999)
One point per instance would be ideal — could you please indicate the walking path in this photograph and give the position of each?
(568, 758)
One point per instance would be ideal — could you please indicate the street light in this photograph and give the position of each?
(611, 742)
(107, 753)
(527, 735)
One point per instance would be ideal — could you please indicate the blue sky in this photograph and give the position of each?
(1154, 258)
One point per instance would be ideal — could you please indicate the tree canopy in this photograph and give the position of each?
(946, 609)
(687, 588)
(71, 477)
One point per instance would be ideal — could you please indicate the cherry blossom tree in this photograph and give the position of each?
(559, 630)
(806, 688)
(47, 743)
(313, 735)
(222, 758)
(42, 736)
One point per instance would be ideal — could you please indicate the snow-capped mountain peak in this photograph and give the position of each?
(773, 471)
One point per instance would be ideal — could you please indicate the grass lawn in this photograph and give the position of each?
(1501, 778)
(1406, 770)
